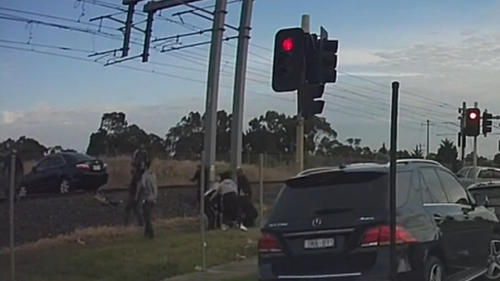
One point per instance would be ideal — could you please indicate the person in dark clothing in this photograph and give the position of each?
(147, 193)
(246, 211)
(18, 172)
(139, 160)
(197, 180)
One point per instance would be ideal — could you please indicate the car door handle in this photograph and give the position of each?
(438, 218)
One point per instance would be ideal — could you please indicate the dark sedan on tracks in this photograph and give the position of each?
(64, 172)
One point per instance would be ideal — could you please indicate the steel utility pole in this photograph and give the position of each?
(474, 151)
(428, 139)
(463, 137)
(209, 144)
(239, 84)
(299, 153)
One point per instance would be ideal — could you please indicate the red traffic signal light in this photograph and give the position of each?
(289, 60)
(287, 44)
(472, 122)
(472, 115)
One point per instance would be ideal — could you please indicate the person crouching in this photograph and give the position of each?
(228, 192)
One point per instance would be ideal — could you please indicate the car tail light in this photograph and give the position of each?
(268, 244)
(380, 236)
(83, 166)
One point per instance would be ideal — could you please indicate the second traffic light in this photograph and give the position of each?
(472, 122)
(308, 100)
(289, 60)
(327, 64)
(487, 122)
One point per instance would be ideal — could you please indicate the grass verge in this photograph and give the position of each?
(114, 253)
(252, 277)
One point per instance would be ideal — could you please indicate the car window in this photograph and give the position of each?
(485, 174)
(78, 157)
(57, 161)
(496, 174)
(493, 193)
(472, 172)
(432, 186)
(454, 190)
(346, 192)
(44, 163)
(463, 172)
(403, 186)
(311, 195)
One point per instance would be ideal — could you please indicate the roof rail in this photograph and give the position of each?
(418, 160)
(313, 170)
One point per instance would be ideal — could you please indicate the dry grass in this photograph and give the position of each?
(173, 172)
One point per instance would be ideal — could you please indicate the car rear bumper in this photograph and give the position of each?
(379, 272)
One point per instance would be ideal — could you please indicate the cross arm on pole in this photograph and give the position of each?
(153, 6)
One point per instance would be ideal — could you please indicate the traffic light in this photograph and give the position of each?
(327, 55)
(472, 120)
(487, 123)
(308, 104)
(289, 60)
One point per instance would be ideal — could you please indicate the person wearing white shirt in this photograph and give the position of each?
(227, 190)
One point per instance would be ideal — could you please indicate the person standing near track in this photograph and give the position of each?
(147, 193)
(138, 166)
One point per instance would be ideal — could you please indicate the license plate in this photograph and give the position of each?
(97, 168)
(319, 243)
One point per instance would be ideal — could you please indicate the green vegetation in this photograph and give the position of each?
(121, 254)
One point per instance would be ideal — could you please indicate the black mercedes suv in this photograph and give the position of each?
(333, 224)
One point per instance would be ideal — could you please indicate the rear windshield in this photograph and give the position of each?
(346, 192)
(77, 157)
(493, 193)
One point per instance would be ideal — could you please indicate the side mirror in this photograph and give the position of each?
(482, 200)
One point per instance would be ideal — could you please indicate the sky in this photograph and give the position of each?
(441, 52)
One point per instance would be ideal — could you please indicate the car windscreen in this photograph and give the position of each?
(331, 193)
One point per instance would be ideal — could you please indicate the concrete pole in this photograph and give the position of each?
(239, 84)
(212, 99)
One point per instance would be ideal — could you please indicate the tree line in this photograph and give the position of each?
(271, 133)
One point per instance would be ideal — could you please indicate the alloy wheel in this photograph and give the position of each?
(436, 273)
(64, 186)
(493, 272)
(22, 191)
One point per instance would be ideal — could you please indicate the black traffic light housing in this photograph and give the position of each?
(487, 122)
(289, 60)
(472, 122)
(327, 60)
(308, 103)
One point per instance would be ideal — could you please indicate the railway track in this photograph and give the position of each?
(46, 216)
(114, 191)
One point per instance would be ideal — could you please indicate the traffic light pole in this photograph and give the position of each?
(462, 132)
(299, 153)
(474, 152)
